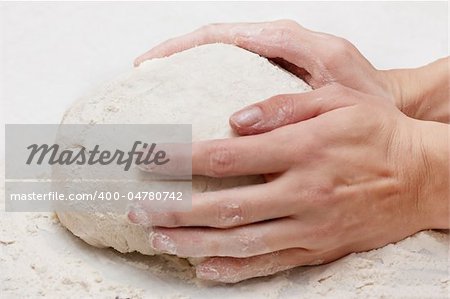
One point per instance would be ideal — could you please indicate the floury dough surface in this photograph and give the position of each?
(202, 86)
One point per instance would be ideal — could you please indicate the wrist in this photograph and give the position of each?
(401, 86)
(434, 189)
(423, 92)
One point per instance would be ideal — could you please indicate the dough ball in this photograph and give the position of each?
(201, 86)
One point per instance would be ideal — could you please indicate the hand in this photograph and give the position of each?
(318, 58)
(348, 174)
(321, 59)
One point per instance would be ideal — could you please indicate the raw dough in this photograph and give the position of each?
(209, 82)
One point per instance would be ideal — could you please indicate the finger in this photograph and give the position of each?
(287, 109)
(283, 39)
(171, 159)
(243, 241)
(226, 208)
(232, 270)
(205, 35)
(221, 157)
(239, 156)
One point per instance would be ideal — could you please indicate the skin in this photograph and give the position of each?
(346, 170)
(423, 93)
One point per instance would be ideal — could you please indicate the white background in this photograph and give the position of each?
(52, 53)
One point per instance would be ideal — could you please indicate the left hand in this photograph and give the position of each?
(344, 174)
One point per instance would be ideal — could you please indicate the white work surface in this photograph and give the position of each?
(53, 53)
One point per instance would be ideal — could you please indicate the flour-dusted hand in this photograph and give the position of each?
(321, 59)
(424, 96)
(316, 57)
(346, 174)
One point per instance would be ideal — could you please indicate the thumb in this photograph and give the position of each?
(286, 109)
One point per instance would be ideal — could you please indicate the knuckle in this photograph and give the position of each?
(248, 244)
(341, 45)
(285, 105)
(221, 161)
(230, 214)
(338, 52)
(286, 23)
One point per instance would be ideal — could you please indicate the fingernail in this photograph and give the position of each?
(247, 117)
(137, 215)
(162, 243)
(206, 272)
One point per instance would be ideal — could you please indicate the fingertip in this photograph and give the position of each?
(132, 217)
(160, 51)
(140, 59)
(242, 131)
(248, 117)
(145, 56)
(137, 215)
(235, 126)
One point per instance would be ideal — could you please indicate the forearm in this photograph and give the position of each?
(423, 93)
(434, 192)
